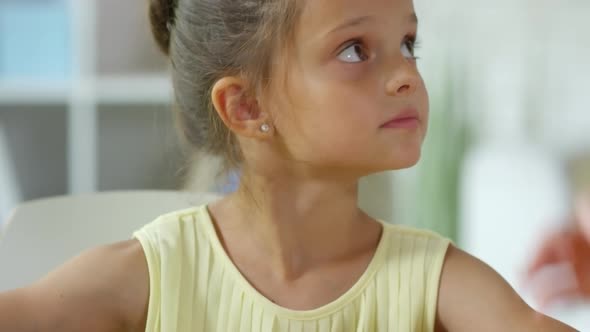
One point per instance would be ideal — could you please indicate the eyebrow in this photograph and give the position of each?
(359, 20)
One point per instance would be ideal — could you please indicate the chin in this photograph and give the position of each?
(384, 165)
(404, 160)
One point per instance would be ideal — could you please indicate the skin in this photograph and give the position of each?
(341, 85)
(568, 247)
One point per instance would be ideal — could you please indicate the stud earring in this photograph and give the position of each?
(265, 128)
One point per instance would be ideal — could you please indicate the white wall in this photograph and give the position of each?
(525, 66)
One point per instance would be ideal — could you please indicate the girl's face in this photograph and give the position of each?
(354, 100)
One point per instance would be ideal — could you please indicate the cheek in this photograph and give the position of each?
(342, 102)
(339, 114)
(423, 91)
(328, 121)
(325, 129)
(424, 104)
(324, 106)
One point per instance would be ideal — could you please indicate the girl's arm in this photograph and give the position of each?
(104, 289)
(473, 297)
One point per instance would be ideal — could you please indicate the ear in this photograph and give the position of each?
(240, 112)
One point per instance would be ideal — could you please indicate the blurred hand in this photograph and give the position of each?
(570, 248)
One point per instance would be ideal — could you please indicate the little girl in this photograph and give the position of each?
(304, 97)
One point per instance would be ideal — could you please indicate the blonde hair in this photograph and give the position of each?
(206, 40)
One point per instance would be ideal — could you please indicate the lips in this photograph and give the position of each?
(408, 118)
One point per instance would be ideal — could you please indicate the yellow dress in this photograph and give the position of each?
(194, 286)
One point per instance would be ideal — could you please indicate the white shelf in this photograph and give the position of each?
(34, 92)
(123, 90)
(114, 64)
(139, 89)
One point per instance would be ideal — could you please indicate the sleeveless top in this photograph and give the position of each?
(194, 285)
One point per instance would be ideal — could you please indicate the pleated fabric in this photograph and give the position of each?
(194, 285)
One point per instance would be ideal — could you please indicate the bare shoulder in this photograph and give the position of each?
(474, 297)
(103, 289)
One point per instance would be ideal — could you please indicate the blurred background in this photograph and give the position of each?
(85, 106)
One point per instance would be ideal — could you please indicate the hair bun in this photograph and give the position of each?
(161, 14)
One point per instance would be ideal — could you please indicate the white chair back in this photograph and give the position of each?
(41, 235)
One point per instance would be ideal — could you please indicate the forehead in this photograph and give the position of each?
(321, 16)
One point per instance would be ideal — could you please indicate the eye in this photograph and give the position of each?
(408, 48)
(354, 53)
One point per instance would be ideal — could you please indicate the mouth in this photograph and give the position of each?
(406, 119)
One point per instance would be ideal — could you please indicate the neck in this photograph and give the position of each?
(300, 222)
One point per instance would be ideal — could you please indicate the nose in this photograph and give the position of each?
(404, 80)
